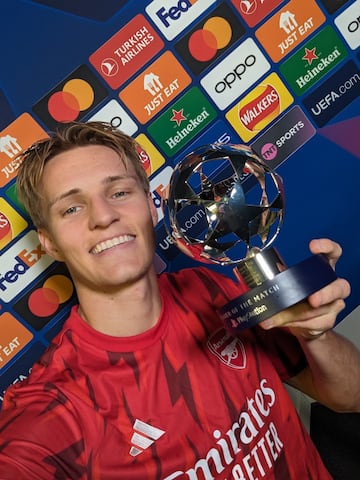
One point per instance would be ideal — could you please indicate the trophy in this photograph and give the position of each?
(225, 206)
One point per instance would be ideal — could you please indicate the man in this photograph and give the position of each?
(135, 386)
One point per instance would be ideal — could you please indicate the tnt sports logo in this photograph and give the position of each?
(173, 19)
(72, 99)
(47, 298)
(205, 43)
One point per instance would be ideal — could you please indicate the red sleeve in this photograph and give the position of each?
(39, 437)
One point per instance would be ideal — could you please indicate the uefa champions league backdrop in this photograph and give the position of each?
(280, 76)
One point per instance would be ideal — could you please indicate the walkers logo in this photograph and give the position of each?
(253, 11)
(314, 60)
(158, 186)
(157, 86)
(13, 338)
(205, 43)
(348, 22)
(182, 122)
(143, 437)
(13, 140)
(172, 17)
(47, 298)
(284, 138)
(260, 107)
(114, 114)
(289, 27)
(21, 264)
(228, 349)
(72, 99)
(334, 94)
(126, 52)
(11, 224)
(235, 74)
(150, 156)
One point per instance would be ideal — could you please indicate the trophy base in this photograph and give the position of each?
(273, 287)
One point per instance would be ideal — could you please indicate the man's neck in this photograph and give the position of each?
(131, 311)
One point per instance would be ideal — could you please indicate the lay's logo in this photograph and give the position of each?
(260, 107)
(21, 264)
(265, 106)
(11, 224)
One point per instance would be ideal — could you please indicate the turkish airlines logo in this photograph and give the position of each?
(229, 350)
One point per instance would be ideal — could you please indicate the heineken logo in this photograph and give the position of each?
(318, 57)
(177, 126)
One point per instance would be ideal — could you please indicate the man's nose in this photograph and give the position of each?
(101, 213)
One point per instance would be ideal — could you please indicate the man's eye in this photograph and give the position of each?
(119, 194)
(71, 210)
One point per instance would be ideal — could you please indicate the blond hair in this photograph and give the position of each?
(72, 135)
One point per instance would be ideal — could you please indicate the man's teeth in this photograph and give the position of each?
(100, 247)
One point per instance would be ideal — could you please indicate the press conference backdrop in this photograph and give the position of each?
(280, 76)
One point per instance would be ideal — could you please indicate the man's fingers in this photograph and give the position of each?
(329, 248)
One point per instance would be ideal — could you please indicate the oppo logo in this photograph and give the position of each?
(235, 75)
(354, 25)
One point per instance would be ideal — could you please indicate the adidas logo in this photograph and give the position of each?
(144, 435)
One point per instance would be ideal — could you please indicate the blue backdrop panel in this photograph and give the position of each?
(280, 76)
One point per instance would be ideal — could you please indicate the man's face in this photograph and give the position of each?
(100, 220)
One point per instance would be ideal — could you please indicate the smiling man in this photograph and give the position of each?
(143, 382)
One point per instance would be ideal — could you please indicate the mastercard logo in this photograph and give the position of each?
(47, 298)
(76, 96)
(45, 301)
(215, 35)
(209, 39)
(72, 99)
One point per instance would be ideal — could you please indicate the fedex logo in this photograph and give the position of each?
(23, 262)
(173, 19)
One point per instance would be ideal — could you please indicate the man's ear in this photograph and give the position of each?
(48, 244)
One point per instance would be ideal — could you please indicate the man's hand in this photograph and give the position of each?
(317, 314)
